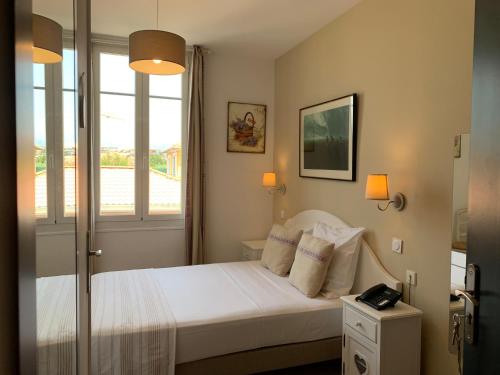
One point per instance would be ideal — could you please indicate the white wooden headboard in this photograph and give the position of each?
(369, 272)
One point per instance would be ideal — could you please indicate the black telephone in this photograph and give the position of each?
(379, 297)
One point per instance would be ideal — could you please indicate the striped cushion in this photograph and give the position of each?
(280, 247)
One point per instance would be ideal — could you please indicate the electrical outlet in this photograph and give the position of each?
(397, 245)
(411, 277)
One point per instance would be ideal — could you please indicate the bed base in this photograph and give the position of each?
(265, 359)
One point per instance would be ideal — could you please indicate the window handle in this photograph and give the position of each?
(51, 161)
(95, 253)
(81, 101)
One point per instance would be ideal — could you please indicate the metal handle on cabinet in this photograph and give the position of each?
(95, 253)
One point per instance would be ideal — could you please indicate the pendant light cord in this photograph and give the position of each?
(157, 12)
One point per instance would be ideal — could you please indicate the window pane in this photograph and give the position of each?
(39, 75)
(117, 160)
(40, 154)
(68, 68)
(170, 86)
(69, 152)
(165, 156)
(116, 75)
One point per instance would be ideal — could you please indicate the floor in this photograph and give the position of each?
(322, 368)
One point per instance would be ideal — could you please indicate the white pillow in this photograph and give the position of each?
(342, 270)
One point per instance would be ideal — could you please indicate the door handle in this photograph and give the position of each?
(471, 297)
(95, 253)
(467, 295)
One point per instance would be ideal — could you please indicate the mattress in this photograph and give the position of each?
(230, 307)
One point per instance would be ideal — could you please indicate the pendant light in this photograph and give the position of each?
(47, 40)
(156, 51)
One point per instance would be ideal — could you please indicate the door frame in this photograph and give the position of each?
(82, 44)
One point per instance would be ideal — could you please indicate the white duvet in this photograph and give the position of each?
(148, 320)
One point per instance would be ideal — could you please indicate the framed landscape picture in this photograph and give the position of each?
(328, 139)
(246, 127)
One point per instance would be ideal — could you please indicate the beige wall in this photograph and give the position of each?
(411, 64)
(238, 208)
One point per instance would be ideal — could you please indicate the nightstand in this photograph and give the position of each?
(385, 342)
(252, 250)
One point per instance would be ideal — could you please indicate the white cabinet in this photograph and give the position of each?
(252, 250)
(383, 342)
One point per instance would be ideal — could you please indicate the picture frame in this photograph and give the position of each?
(328, 139)
(246, 127)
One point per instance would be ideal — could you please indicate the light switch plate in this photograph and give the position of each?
(397, 245)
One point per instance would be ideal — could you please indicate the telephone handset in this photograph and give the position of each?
(379, 297)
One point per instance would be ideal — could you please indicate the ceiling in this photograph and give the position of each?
(259, 28)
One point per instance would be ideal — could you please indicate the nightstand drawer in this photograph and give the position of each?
(362, 324)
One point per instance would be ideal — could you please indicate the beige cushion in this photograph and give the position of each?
(312, 260)
(280, 247)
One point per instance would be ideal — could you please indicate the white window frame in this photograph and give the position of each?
(54, 130)
(113, 45)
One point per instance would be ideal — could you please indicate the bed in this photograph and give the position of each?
(231, 318)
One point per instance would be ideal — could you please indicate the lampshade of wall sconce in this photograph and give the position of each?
(377, 187)
(47, 41)
(269, 179)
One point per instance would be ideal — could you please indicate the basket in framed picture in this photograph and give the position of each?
(246, 127)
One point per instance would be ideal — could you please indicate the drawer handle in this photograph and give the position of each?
(358, 324)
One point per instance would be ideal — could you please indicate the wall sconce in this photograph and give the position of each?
(377, 189)
(269, 181)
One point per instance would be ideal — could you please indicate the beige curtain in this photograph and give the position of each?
(195, 185)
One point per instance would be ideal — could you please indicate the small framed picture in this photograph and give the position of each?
(328, 139)
(246, 127)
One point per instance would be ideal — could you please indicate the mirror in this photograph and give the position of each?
(54, 72)
(459, 214)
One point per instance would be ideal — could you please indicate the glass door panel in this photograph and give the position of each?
(55, 98)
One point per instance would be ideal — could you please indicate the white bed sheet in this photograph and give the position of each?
(230, 307)
(212, 309)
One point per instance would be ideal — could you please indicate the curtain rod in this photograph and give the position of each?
(118, 40)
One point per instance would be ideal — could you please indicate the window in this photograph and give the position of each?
(139, 127)
(55, 151)
(68, 133)
(117, 136)
(165, 139)
(39, 93)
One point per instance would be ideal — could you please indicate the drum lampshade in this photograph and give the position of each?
(47, 40)
(157, 52)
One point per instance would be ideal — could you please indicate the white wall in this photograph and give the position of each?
(238, 208)
(461, 175)
(129, 247)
